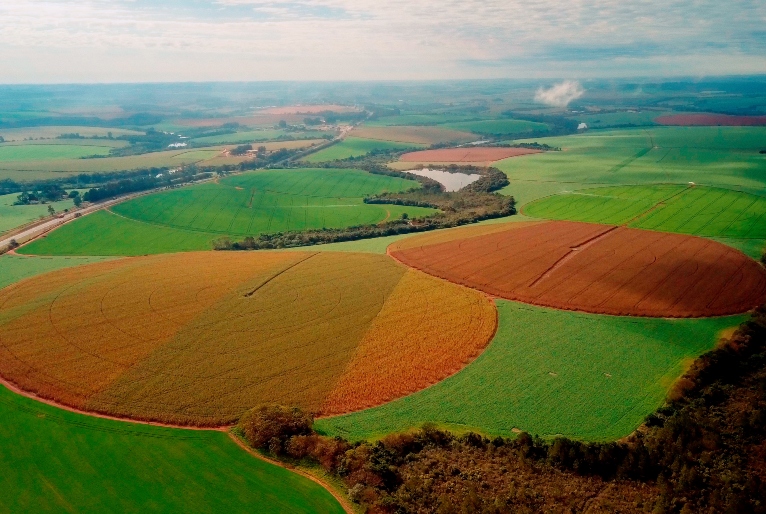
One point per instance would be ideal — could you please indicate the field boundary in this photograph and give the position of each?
(344, 503)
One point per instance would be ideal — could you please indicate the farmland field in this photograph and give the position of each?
(598, 269)
(690, 120)
(702, 211)
(468, 155)
(40, 152)
(355, 147)
(35, 167)
(551, 372)
(713, 156)
(414, 134)
(47, 132)
(252, 136)
(199, 338)
(14, 268)
(249, 204)
(59, 461)
(12, 216)
(503, 127)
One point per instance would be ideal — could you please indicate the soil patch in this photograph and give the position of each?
(599, 269)
(468, 154)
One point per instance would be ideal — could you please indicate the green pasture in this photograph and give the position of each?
(253, 136)
(356, 147)
(49, 132)
(620, 119)
(714, 156)
(190, 218)
(57, 461)
(551, 372)
(40, 162)
(12, 216)
(421, 119)
(15, 267)
(501, 127)
(40, 152)
(701, 211)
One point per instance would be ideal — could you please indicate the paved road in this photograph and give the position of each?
(35, 231)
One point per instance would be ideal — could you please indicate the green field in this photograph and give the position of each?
(552, 372)
(420, 119)
(40, 152)
(257, 136)
(14, 267)
(47, 132)
(502, 127)
(58, 461)
(701, 211)
(715, 156)
(254, 203)
(356, 147)
(12, 216)
(41, 163)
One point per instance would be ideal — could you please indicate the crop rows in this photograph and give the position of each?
(427, 330)
(200, 338)
(600, 269)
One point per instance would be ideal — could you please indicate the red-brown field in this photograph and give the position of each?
(599, 269)
(470, 154)
(711, 120)
(199, 338)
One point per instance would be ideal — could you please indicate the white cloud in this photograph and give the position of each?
(374, 39)
(561, 94)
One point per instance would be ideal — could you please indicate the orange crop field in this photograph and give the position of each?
(467, 155)
(711, 120)
(599, 269)
(452, 234)
(420, 135)
(199, 338)
(414, 348)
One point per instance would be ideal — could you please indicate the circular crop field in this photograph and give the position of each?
(199, 338)
(598, 269)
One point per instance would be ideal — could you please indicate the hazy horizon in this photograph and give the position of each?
(129, 41)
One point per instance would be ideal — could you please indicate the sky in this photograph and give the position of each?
(50, 41)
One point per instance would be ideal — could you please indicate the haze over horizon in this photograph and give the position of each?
(55, 41)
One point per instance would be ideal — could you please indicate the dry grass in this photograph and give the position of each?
(199, 338)
(427, 330)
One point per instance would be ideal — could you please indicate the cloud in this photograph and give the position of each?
(376, 39)
(561, 94)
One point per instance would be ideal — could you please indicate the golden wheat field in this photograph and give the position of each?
(199, 338)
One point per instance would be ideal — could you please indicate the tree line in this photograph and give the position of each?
(703, 451)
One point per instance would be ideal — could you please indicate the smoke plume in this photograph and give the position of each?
(561, 94)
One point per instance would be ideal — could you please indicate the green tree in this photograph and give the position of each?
(51, 210)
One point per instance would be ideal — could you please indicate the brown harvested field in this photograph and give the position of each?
(415, 348)
(199, 338)
(452, 234)
(711, 120)
(308, 109)
(599, 269)
(465, 155)
(419, 135)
